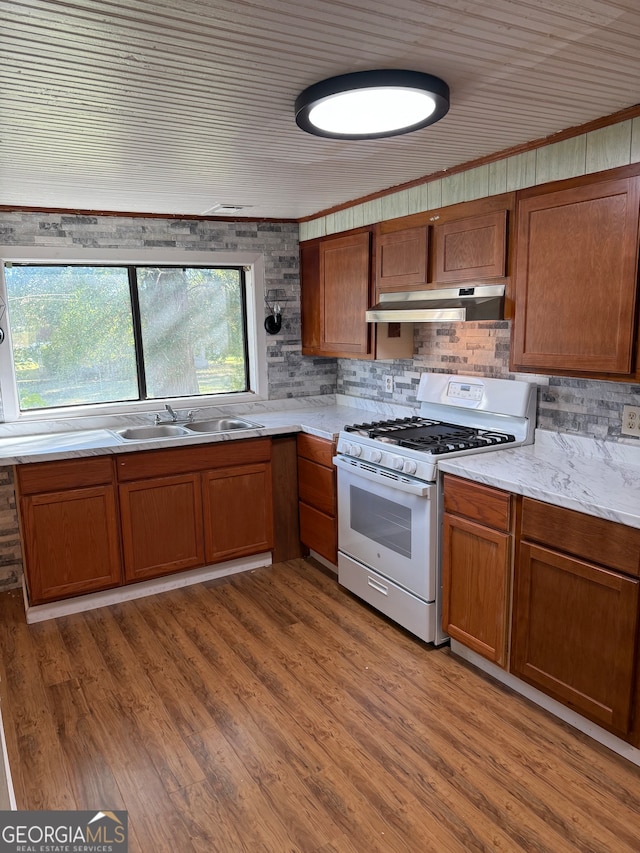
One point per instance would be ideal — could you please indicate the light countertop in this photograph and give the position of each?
(322, 416)
(587, 475)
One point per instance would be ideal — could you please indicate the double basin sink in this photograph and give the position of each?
(213, 425)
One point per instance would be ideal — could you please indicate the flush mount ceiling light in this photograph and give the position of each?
(372, 104)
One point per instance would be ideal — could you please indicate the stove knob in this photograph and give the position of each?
(375, 456)
(397, 463)
(409, 467)
(355, 450)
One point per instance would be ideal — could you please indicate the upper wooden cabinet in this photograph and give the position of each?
(336, 288)
(467, 242)
(576, 277)
(402, 260)
(471, 249)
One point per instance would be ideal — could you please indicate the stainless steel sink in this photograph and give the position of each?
(221, 425)
(144, 433)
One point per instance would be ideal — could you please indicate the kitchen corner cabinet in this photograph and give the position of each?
(317, 496)
(477, 563)
(576, 277)
(70, 529)
(187, 507)
(336, 290)
(575, 612)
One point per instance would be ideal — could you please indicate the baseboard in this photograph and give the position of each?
(602, 736)
(324, 562)
(91, 601)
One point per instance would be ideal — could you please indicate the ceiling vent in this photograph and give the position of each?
(226, 208)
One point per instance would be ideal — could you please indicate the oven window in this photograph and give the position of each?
(384, 521)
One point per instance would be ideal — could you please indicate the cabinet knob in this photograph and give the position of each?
(433, 218)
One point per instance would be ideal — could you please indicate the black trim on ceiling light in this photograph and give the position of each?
(415, 81)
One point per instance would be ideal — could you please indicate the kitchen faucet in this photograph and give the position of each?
(174, 416)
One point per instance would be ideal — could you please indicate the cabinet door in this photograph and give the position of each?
(238, 511)
(319, 532)
(476, 564)
(472, 249)
(574, 634)
(345, 289)
(401, 259)
(161, 526)
(71, 542)
(310, 298)
(576, 273)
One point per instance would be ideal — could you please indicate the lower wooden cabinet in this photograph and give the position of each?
(87, 528)
(575, 622)
(477, 549)
(162, 526)
(317, 493)
(238, 511)
(70, 528)
(191, 506)
(575, 634)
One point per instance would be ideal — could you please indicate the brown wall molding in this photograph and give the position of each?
(560, 136)
(68, 211)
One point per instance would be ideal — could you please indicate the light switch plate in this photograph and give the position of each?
(631, 421)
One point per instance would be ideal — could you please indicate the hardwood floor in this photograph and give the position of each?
(272, 711)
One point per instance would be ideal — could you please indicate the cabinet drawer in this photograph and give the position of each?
(316, 449)
(182, 460)
(594, 539)
(66, 474)
(316, 486)
(318, 531)
(480, 503)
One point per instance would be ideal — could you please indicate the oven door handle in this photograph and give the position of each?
(382, 477)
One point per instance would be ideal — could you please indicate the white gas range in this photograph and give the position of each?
(389, 495)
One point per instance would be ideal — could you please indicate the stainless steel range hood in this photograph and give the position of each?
(485, 302)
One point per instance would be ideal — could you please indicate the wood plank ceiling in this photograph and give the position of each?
(159, 107)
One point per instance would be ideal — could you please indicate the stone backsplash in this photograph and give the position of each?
(579, 406)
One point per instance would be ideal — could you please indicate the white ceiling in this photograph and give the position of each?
(161, 106)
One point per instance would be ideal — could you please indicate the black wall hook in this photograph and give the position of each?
(273, 323)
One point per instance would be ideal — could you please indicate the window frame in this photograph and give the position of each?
(251, 262)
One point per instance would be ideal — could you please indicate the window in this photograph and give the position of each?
(98, 334)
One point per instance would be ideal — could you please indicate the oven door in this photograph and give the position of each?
(388, 522)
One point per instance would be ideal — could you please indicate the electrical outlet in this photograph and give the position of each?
(631, 420)
(388, 383)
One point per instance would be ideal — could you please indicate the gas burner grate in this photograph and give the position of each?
(430, 436)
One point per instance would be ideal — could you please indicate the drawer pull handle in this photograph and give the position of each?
(374, 584)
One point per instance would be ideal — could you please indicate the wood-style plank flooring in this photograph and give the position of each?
(272, 711)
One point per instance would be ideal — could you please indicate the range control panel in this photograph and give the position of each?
(465, 391)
